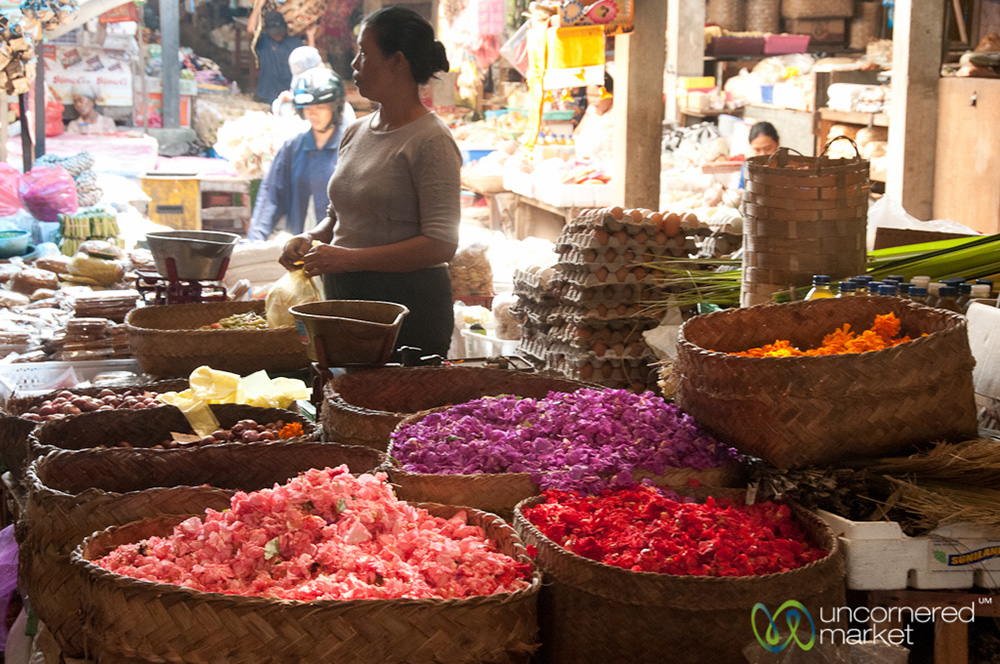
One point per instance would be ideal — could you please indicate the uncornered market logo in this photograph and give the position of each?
(772, 640)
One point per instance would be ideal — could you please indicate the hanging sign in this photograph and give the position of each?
(107, 73)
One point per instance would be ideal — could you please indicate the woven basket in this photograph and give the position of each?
(592, 612)
(817, 8)
(764, 16)
(166, 340)
(364, 408)
(728, 14)
(798, 411)
(73, 494)
(501, 492)
(138, 621)
(18, 406)
(865, 24)
(152, 426)
(803, 216)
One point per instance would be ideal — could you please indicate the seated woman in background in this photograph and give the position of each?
(763, 139)
(90, 121)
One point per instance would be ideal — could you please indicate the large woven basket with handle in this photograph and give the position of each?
(167, 341)
(74, 494)
(134, 621)
(802, 216)
(592, 612)
(365, 407)
(799, 411)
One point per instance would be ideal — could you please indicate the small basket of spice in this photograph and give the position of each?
(174, 340)
(811, 383)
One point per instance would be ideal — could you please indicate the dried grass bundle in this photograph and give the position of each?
(934, 504)
(973, 462)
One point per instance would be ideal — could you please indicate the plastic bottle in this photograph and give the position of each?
(918, 294)
(933, 289)
(964, 295)
(979, 292)
(847, 288)
(985, 282)
(946, 298)
(923, 282)
(873, 287)
(898, 278)
(863, 280)
(887, 289)
(821, 288)
(903, 289)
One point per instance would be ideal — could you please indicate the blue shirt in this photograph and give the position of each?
(300, 170)
(275, 74)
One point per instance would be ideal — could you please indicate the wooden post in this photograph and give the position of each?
(4, 113)
(685, 47)
(916, 57)
(39, 105)
(638, 107)
(170, 31)
(27, 149)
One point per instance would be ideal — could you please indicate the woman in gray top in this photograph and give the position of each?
(394, 212)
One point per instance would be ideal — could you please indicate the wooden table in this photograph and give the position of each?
(533, 217)
(951, 639)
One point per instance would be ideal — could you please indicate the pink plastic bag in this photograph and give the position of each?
(8, 577)
(10, 177)
(48, 191)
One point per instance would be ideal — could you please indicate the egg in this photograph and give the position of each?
(586, 371)
(672, 224)
(617, 212)
(583, 332)
(610, 255)
(641, 237)
(622, 309)
(622, 274)
(601, 236)
(689, 220)
(640, 273)
(599, 349)
(621, 236)
(602, 274)
(656, 219)
(602, 310)
(607, 369)
(636, 215)
(661, 238)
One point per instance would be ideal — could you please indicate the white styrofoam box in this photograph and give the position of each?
(482, 345)
(879, 556)
(40, 377)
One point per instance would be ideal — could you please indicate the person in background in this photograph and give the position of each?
(394, 213)
(301, 60)
(302, 168)
(273, 47)
(763, 139)
(594, 135)
(90, 121)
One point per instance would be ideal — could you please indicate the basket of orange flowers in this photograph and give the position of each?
(828, 380)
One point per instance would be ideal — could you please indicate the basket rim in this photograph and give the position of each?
(559, 549)
(163, 309)
(167, 589)
(36, 485)
(954, 321)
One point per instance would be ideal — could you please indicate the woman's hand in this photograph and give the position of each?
(327, 259)
(294, 252)
(311, 33)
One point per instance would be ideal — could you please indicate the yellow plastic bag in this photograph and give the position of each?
(293, 288)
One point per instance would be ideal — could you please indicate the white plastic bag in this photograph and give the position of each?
(293, 288)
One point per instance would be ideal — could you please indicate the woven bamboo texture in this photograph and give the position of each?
(865, 24)
(134, 621)
(74, 494)
(802, 216)
(365, 407)
(14, 447)
(817, 8)
(728, 14)
(152, 426)
(166, 340)
(799, 411)
(763, 16)
(592, 612)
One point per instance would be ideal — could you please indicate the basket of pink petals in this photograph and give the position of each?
(327, 567)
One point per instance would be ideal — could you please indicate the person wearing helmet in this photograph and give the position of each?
(300, 61)
(302, 168)
(392, 224)
(273, 46)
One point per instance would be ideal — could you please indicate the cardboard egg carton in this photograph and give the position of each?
(634, 351)
(536, 313)
(595, 276)
(601, 314)
(614, 333)
(534, 348)
(611, 257)
(678, 245)
(631, 373)
(609, 295)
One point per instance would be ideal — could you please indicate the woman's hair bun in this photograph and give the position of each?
(440, 57)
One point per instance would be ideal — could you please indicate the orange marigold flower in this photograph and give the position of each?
(882, 335)
(290, 430)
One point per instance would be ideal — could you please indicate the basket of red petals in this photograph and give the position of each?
(631, 575)
(328, 567)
